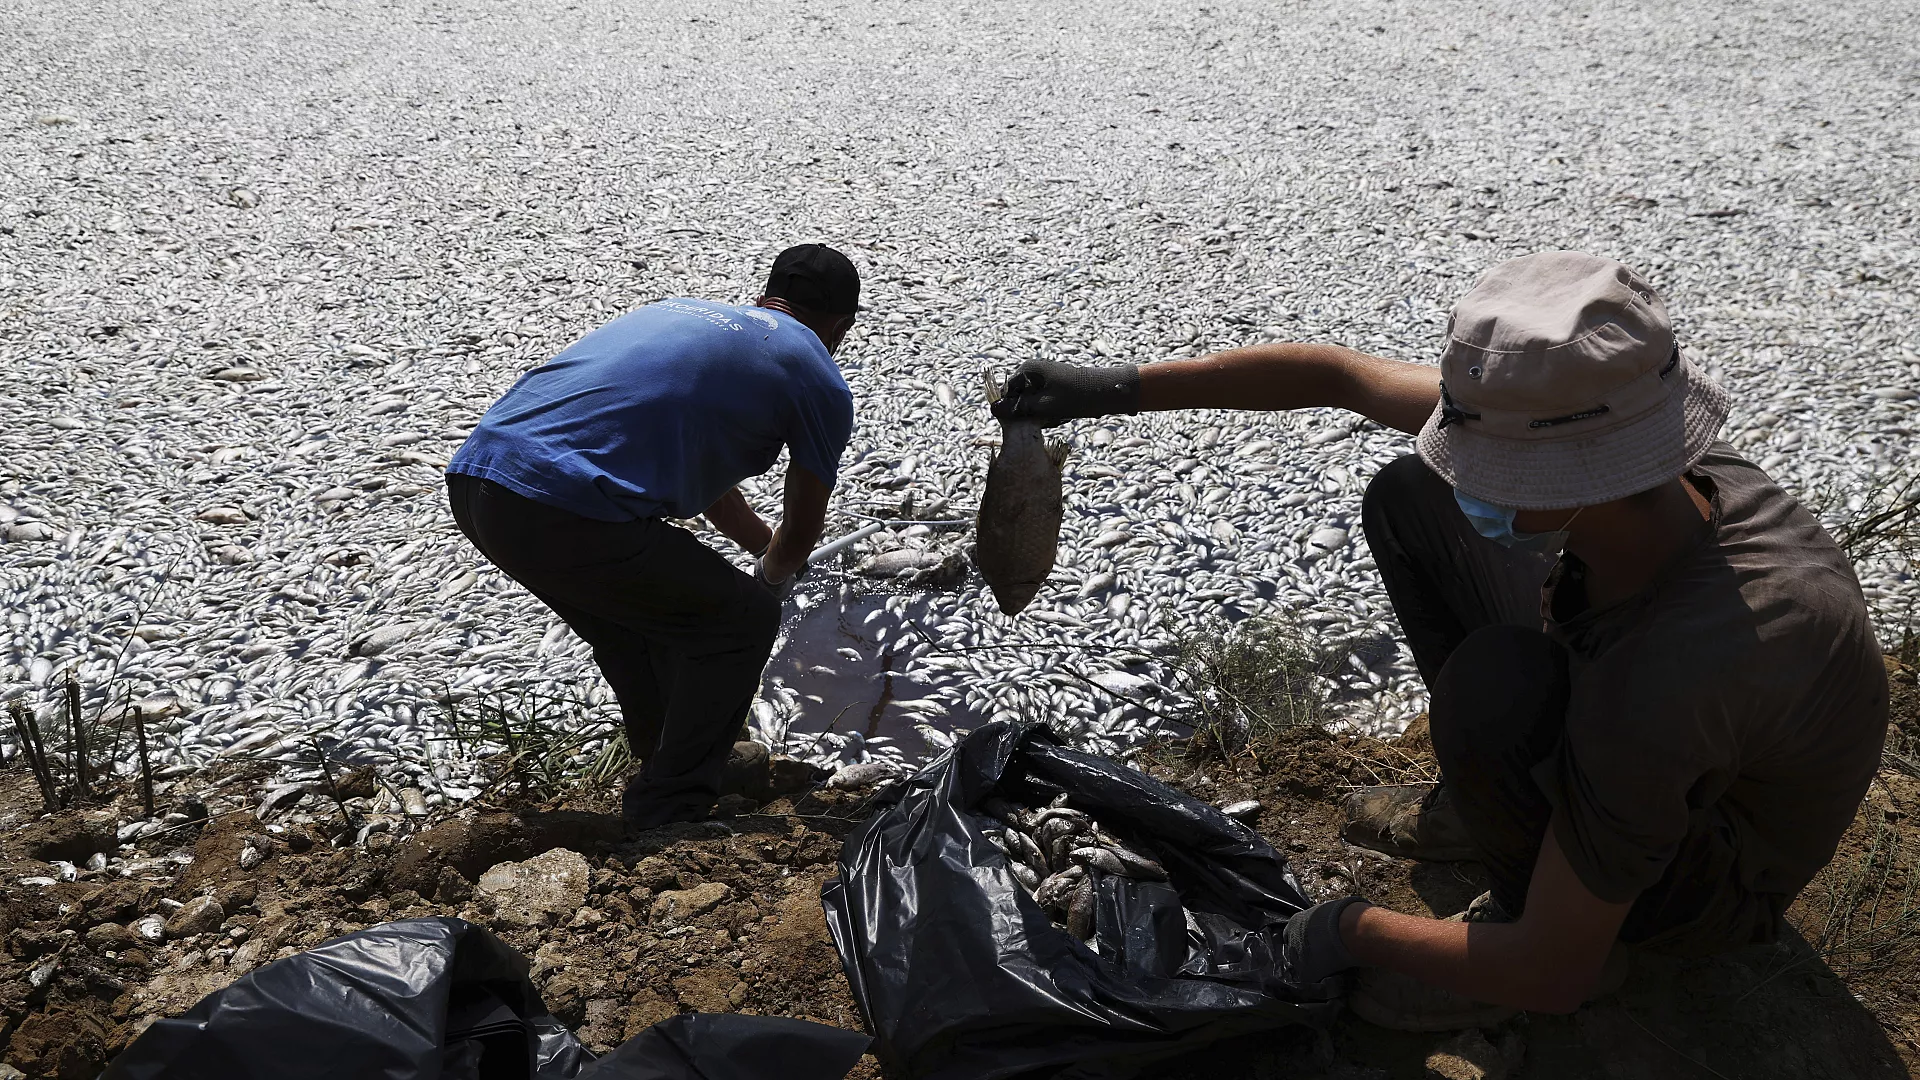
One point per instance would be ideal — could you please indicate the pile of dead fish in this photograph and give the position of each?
(1058, 854)
(232, 387)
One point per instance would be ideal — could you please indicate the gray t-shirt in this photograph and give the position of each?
(1745, 683)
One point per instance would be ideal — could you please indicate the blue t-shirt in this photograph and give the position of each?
(661, 411)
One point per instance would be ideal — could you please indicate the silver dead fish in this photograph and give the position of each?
(1018, 530)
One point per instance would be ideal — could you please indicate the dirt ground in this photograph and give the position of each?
(716, 917)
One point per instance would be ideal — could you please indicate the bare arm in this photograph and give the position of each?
(732, 516)
(1292, 376)
(1549, 961)
(802, 517)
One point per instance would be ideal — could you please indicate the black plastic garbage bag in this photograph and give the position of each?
(419, 998)
(442, 998)
(726, 1046)
(962, 975)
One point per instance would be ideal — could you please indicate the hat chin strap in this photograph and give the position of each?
(1568, 524)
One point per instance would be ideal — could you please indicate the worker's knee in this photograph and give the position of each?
(1502, 688)
(1403, 485)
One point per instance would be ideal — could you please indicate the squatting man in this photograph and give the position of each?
(1655, 696)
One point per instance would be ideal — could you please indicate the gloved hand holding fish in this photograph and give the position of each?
(1058, 854)
(1018, 529)
(1019, 524)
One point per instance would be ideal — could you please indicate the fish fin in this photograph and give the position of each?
(1057, 452)
(993, 387)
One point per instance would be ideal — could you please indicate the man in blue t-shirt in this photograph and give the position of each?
(568, 481)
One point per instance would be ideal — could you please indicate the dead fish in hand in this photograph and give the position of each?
(1018, 530)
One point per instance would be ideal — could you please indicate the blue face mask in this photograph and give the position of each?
(1496, 524)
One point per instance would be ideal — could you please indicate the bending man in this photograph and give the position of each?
(568, 481)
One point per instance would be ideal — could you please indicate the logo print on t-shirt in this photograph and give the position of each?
(761, 317)
(708, 314)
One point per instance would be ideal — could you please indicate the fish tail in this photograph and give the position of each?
(1057, 452)
(993, 387)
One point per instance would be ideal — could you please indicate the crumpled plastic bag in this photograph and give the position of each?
(727, 1046)
(961, 974)
(442, 998)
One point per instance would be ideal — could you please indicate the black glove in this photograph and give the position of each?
(1313, 951)
(1051, 392)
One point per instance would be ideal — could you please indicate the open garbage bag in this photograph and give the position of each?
(962, 975)
(443, 999)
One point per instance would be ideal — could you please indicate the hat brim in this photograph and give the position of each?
(1561, 473)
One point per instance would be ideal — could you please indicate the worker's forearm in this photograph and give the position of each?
(792, 542)
(803, 514)
(734, 518)
(1295, 376)
(1493, 962)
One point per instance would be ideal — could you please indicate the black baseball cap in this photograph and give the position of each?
(817, 278)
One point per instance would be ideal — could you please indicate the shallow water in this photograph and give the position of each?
(840, 666)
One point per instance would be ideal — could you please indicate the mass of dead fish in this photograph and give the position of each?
(1058, 854)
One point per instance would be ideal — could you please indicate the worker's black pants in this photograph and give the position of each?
(1498, 690)
(680, 635)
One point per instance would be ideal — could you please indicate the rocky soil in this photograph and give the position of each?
(622, 930)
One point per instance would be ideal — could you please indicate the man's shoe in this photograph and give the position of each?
(1409, 821)
(642, 809)
(748, 772)
(1403, 1003)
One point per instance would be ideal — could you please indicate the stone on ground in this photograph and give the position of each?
(539, 891)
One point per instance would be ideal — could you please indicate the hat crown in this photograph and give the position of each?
(816, 277)
(1552, 334)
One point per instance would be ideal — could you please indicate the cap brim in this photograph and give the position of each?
(1559, 473)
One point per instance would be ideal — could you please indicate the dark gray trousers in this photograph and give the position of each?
(1498, 690)
(680, 635)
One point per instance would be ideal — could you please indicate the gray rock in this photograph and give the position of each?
(747, 772)
(201, 915)
(539, 891)
(72, 836)
(679, 905)
(111, 937)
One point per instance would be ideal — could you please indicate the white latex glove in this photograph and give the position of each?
(780, 588)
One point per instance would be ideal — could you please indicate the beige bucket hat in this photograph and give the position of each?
(1562, 386)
